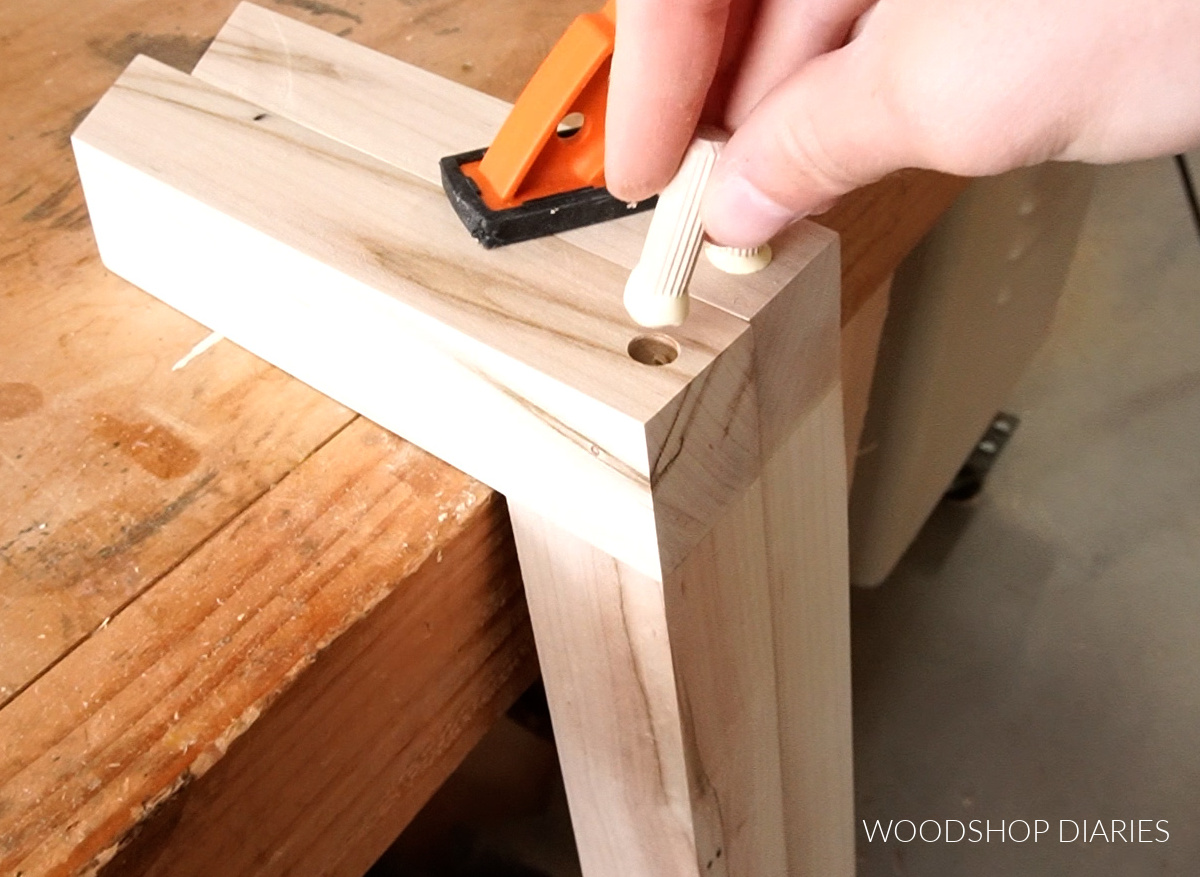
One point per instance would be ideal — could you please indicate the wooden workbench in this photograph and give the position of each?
(241, 629)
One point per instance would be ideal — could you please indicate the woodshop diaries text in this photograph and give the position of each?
(1017, 831)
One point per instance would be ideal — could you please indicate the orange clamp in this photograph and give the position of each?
(553, 140)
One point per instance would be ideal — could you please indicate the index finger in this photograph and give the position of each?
(664, 59)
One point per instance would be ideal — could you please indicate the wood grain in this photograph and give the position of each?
(396, 112)
(605, 652)
(719, 612)
(354, 93)
(79, 546)
(115, 466)
(795, 321)
(281, 582)
(357, 278)
(663, 698)
(805, 532)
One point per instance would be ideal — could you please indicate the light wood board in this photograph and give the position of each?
(354, 300)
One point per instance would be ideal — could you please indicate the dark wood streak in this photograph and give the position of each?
(574, 436)
(146, 528)
(46, 207)
(699, 784)
(519, 286)
(424, 272)
(293, 63)
(75, 219)
(643, 692)
(662, 463)
(316, 7)
(359, 161)
(18, 196)
(692, 403)
(740, 399)
(722, 835)
(419, 269)
(177, 50)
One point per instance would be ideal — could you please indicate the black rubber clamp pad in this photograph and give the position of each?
(533, 219)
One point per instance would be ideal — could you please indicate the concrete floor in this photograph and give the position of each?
(1036, 654)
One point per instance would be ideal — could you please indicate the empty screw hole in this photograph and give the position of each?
(570, 125)
(654, 349)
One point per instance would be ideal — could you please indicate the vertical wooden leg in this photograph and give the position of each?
(663, 699)
(604, 646)
(703, 722)
(704, 718)
(810, 597)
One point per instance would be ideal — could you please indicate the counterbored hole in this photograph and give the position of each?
(570, 125)
(654, 349)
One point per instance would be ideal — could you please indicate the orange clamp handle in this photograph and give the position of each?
(538, 151)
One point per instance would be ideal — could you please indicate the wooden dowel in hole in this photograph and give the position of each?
(656, 292)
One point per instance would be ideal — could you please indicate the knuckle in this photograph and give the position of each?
(804, 146)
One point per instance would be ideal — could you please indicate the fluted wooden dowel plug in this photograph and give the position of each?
(656, 292)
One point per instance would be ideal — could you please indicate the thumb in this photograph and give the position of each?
(826, 130)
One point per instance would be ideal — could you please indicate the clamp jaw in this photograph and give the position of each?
(544, 172)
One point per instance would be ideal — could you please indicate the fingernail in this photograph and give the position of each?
(632, 192)
(738, 214)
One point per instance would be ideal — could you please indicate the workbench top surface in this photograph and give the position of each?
(186, 532)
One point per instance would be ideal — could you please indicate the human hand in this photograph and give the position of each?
(824, 96)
